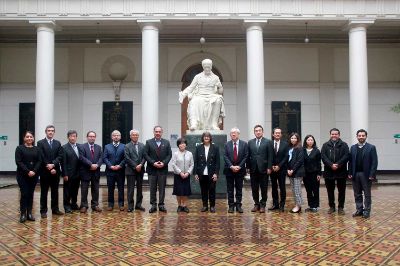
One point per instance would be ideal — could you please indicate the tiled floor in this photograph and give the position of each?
(121, 238)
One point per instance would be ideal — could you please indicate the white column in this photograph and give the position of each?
(44, 103)
(358, 77)
(255, 74)
(150, 76)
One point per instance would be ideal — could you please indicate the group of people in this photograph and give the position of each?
(79, 166)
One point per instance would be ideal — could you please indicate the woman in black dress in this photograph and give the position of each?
(28, 160)
(206, 170)
(182, 163)
(312, 165)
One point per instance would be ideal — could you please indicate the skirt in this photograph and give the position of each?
(181, 186)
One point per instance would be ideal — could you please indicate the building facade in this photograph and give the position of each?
(339, 60)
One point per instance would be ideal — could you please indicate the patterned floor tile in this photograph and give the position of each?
(251, 239)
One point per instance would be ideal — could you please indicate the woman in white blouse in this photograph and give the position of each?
(182, 163)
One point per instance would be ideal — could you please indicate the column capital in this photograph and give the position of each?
(356, 23)
(149, 23)
(49, 25)
(259, 23)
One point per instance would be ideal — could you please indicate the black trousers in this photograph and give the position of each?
(70, 192)
(133, 180)
(259, 182)
(207, 187)
(94, 183)
(311, 183)
(159, 181)
(118, 178)
(27, 188)
(49, 181)
(362, 183)
(234, 182)
(278, 178)
(330, 187)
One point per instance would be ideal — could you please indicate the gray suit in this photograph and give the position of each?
(132, 159)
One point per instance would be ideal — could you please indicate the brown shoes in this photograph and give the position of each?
(262, 210)
(109, 208)
(97, 209)
(256, 209)
(83, 210)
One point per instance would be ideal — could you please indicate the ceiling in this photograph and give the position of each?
(189, 30)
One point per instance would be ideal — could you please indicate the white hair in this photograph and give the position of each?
(133, 131)
(115, 132)
(206, 62)
(235, 129)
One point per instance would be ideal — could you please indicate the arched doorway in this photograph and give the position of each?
(186, 80)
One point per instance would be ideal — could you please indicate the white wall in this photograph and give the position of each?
(313, 74)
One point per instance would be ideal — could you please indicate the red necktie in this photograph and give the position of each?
(92, 151)
(235, 152)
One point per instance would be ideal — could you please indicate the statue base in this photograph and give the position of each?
(218, 139)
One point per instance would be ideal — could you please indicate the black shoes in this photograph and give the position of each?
(366, 214)
(43, 215)
(311, 210)
(331, 210)
(239, 209)
(30, 217)
(57, 212)
(140, 208)
(273, 208)
(231, 209)
(204, 209)
(22, 218)
(212, 209)
(341, 211)
(129, 210)
(152, 209)
(358, 213)
(162, 209)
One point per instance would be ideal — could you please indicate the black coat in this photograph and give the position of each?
(312, 162)
(70, 164)
(153, 154)
(212, 162)
(296, 163)
(50, 155)
(281, 158)
(260, 158)
(332, 154)
(241, 160)
(369, 160)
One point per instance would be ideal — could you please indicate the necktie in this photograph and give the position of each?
(276, 147)
(92, 151)
(51, 143)
(235, 153)
(258, 143)
(136, 148)
(76, 150)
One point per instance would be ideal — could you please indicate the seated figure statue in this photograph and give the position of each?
(206, 104)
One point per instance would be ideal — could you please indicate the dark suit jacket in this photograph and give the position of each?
(70, 165)
(212, 161)
(114, 156)
(370, 160)
(312, 162)
(331, 154)
(153, 154)
(260, 158)
(241, 159)
(296, 163)
(133, 159)
(86, 160)
(282, 157)
(51, 155)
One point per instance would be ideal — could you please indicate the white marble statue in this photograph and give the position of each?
(206, 104)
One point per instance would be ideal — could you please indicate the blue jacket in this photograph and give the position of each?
(114, 156)
(370, 160)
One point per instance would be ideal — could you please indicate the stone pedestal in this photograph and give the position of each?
(193, 139)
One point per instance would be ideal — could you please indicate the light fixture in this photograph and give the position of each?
(202, 39)
(97, 34)
(306, 39)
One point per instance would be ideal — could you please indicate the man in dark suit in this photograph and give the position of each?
(362, 171)
(235, 156)
(259, 163)
(280, 159)
(91, 158)
(51, 152)
(134, 170)
(114, 158)
(158, 153)
(70, 172)
(335, 155)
